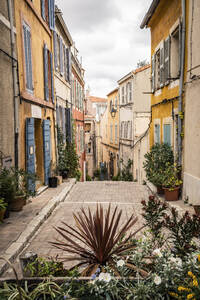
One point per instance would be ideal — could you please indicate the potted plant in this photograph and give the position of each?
(3, 206)
(7, 188)
(21, 189)
(53, 180)
(155, 163)
(171, 182)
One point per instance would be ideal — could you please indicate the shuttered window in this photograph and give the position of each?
(167, 134)
(68, 64)
(61, 58)
(115, 133)
(55, 50)
(111, 133)
(167, 60)
(48, 12)
(153, 73)
(48, 74)
(28, 57)
(161, 66)
(157, 133)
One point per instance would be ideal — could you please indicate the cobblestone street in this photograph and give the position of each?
(126, 195)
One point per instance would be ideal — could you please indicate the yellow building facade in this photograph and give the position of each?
(35, 24)
(111, 143)
(164, 18)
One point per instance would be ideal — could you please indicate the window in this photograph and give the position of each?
(115, 133)
(111, 105)
(122, 129)
(122, 94)
(157, 133)
(130, 92)
(175, 53)
(116, 102)
(48, 75)
(167, 134)
(165, 63)
(47, 12)
(111, 133)
(28, 57)
(157, 69)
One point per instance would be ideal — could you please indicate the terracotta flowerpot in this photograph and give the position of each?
(197, 210)
(17, 203)
(2, 212)
(160, 190)
(171, 195)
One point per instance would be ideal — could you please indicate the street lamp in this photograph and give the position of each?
(113, 112)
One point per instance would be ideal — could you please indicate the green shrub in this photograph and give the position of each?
(156, 161)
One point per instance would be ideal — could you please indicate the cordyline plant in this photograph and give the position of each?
(96, 239)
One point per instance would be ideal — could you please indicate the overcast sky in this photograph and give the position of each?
(107, 35)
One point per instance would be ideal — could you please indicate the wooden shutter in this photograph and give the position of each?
(30, 151)
(162, 66)
(43, 9)
(46, 86)
(51, 7)
(180, 47)
(167, 60)
(167, 134)
(68, 58)
(65, 63)
(61, 57)
(52, 82)
(157, 133)
(64, 124)
(69, 135)
(153, 73)
(47, 150)
(30, 75)
(26, 53)
(55, 50)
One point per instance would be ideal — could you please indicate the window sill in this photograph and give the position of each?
(25, 95)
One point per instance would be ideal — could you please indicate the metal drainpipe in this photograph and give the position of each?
(180, 103)
(14, 74)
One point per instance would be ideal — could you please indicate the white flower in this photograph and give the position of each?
(120, 263)
(157, 280)
(104, 276)
(176, 260)
(179, 262)
(157, 252)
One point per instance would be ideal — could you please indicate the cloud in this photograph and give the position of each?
(108, 37)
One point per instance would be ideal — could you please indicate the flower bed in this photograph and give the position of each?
(163, 264)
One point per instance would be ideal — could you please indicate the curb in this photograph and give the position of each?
(16, 247)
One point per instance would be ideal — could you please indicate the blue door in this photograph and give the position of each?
(47, 150)
(30, 151)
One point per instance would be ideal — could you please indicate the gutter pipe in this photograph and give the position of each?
(15, 82)
(181, 90)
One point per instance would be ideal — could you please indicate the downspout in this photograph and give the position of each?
(15, 82)
(181, 91)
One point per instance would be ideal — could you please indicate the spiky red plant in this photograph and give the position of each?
(96, 238)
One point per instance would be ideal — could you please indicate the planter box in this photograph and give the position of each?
(2, 212)
(171, 195)
(17, 203)
(53, 182)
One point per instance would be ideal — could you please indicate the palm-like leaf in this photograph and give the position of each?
(96, 238)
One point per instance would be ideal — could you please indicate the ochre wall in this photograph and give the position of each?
(165, 16)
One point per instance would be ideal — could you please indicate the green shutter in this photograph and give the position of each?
(167, 134)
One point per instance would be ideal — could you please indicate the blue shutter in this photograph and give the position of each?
(68, 113)
(55, 50)
(43, 9)
(52, 83)
(47, 150)
(26, 53)
(167, 134)
(61, 56)
(30, 76)
(30, 151)
(70, 64)
(51, 14)
(46, 87)
(63, 125)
